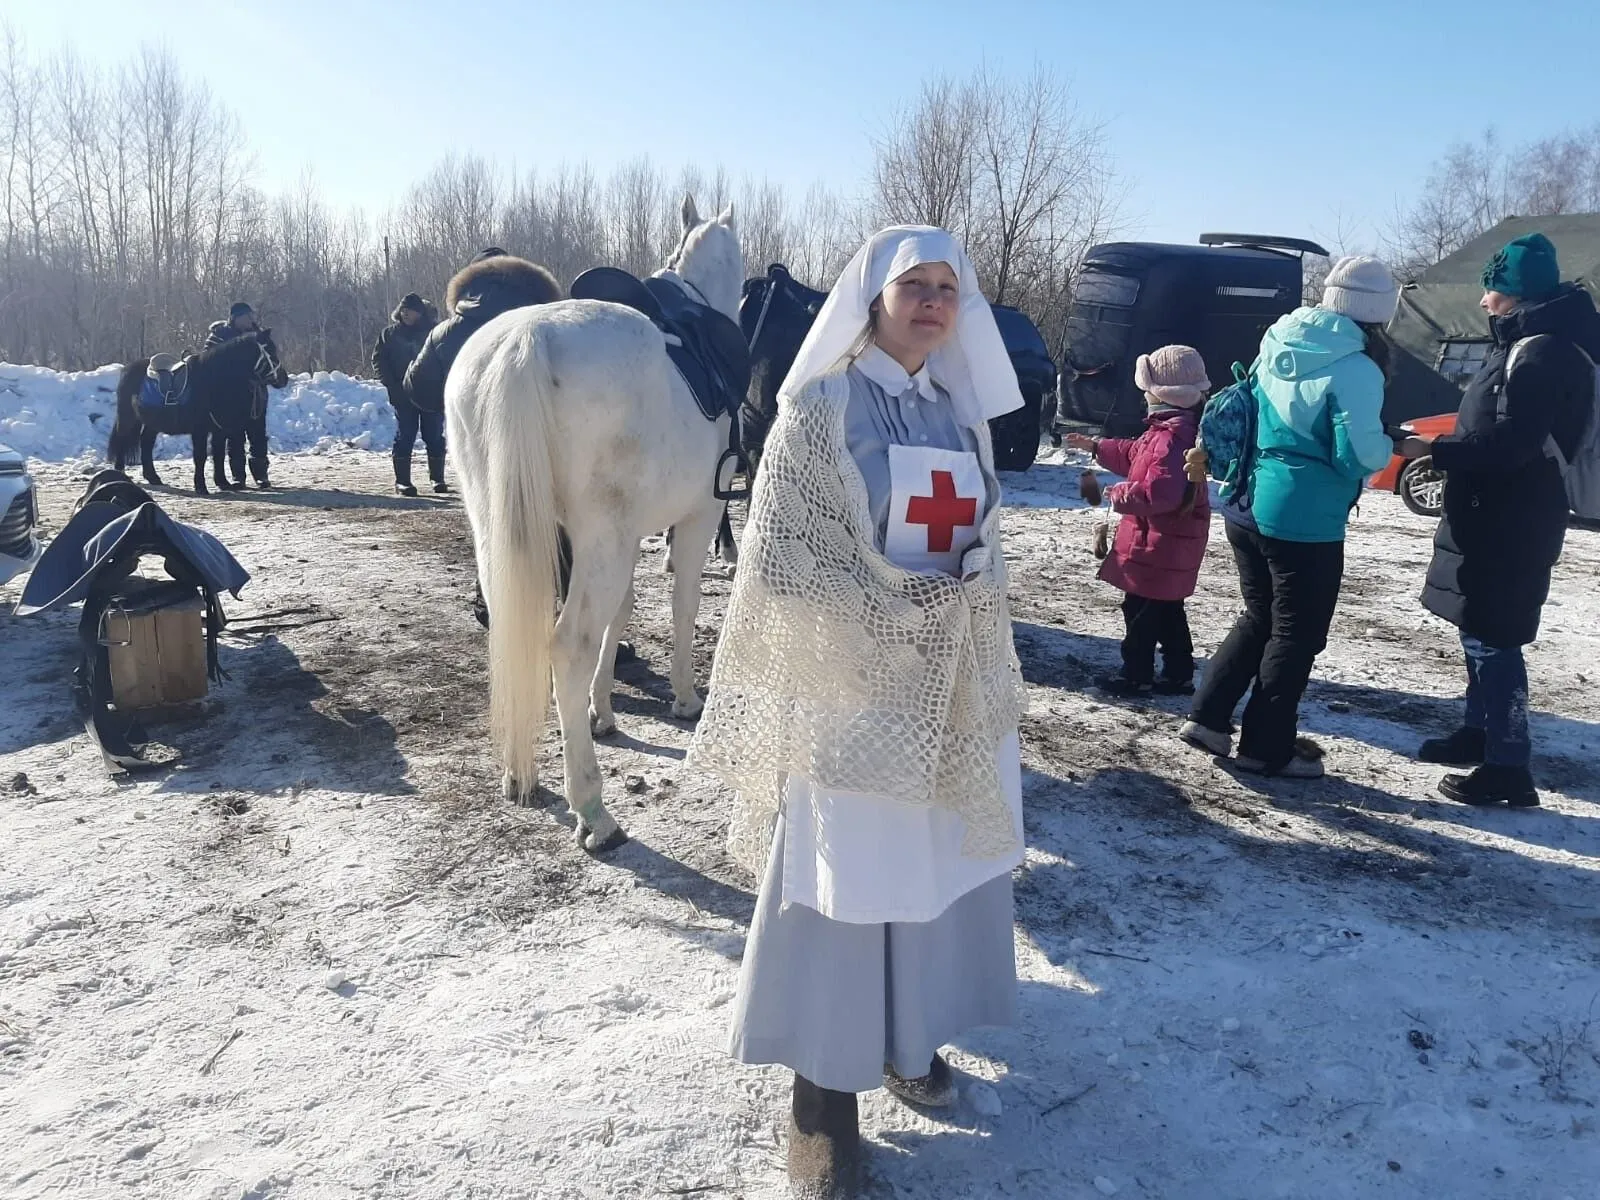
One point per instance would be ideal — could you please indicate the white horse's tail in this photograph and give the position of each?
(521, 572)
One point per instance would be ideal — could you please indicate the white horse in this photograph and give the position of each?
(571, 414)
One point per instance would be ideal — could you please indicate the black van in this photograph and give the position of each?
(1131, 297)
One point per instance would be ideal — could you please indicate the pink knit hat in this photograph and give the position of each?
(1174, 375)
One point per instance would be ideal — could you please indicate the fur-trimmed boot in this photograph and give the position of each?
(436, 472)
(824, 1144)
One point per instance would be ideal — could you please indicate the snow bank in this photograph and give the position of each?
(60, 416)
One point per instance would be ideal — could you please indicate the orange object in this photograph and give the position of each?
(1388, 479)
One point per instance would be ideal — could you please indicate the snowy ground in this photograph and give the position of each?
(319, 958)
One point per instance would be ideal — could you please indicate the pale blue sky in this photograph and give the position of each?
(1266, 117)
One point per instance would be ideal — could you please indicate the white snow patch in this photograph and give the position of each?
(66, 416)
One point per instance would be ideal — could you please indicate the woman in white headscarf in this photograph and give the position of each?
(865, 700)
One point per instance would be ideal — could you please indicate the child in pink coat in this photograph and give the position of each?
(1161, 540)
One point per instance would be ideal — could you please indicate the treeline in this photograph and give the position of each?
(129, 221)
(129, 215)
(1475, 185)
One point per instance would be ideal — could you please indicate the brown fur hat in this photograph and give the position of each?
(528, 281)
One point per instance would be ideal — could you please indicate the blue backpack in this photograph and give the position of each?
(1228, 435)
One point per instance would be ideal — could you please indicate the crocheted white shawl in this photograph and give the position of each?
(839, 666)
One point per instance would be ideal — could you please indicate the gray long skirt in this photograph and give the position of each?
(836, 1002)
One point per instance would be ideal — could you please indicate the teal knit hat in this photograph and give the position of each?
(1525, 268)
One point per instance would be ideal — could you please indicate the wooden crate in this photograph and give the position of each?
(157, 651)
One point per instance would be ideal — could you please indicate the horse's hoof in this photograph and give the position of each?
(688, 710)
(515, 793)
(591, 840)
(601, 727)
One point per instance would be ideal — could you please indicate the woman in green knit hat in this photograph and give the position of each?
(1505, 508)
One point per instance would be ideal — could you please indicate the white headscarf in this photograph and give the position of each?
(972, 365)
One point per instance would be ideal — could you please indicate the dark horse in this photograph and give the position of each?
(223, 382)
(775, 314)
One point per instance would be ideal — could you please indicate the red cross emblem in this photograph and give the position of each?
(943, 512)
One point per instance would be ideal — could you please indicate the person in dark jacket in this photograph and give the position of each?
(398, 344)
(1505, 508)
(492, 283)
(242, 319)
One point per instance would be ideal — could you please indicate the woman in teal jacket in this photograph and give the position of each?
(1319, 434)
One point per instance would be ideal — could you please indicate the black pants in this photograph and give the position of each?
(410, 421)
(1152, 623)
(1290, 590)
(255, 433)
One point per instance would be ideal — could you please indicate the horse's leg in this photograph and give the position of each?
(218, 452)
(198, 437)
(691, 541)
(236, 462)
(147, 455)
(601, 573)
(602, 721)
(727, 548)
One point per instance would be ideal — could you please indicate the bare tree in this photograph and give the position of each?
(1012, 168)
(926, 161)
(1475, 185)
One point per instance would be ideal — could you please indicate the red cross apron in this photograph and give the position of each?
(936, 502)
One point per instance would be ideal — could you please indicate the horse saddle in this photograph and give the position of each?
(92, 560)
(705, 346)
(166, 382)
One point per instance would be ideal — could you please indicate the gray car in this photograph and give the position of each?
(19, 515)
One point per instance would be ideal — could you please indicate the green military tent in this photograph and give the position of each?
(1441, 333)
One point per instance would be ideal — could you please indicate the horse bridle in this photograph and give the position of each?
(263, 355)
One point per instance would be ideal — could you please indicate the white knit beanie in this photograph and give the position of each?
(1362, 288)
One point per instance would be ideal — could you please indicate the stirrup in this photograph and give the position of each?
(729, 492)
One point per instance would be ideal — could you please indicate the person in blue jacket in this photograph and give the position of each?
(1319, 383)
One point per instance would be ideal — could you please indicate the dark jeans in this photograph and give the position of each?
(1290, 590)
(255, 433)
(411, 420)
(1152, 623)
(1497, 701)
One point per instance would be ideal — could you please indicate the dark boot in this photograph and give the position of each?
(1120, 687)
(1490, 785)
(936, 1089)
(436, 472)
(1463, 748)
(824, 1144)
(402, 474)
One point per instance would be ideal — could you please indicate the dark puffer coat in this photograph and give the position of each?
(1505, 505)
(480, 292)
(395, 349)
